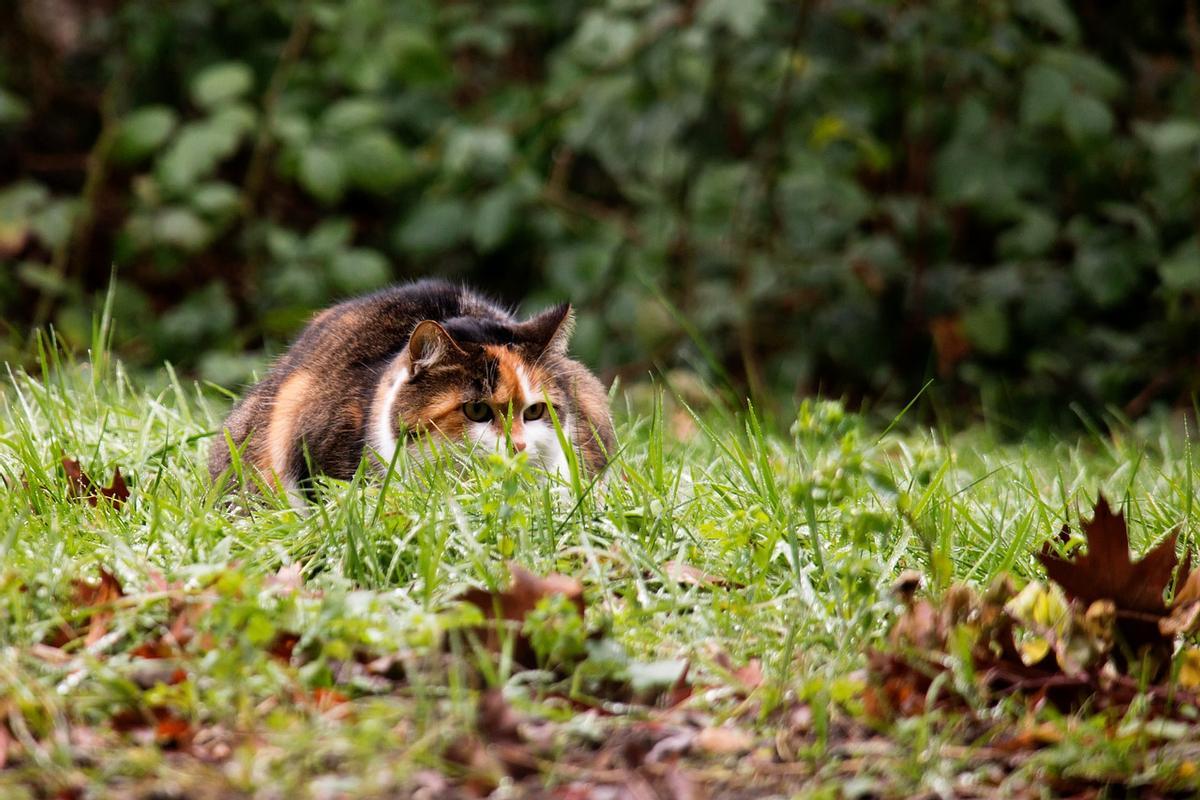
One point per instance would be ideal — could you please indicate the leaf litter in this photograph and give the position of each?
(81, 487)
(1100, 638)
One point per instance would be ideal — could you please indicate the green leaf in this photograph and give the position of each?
(13, 109)
(376, 162)
(435, 226)
(478, 151)
(194, 153)
(1086, 118)
(142, 132)
(182, 228)
(603, 38)
(43, 278)
(1181, 270)
(1046, 91)
(986, 326)
(494, 219)
(322, 173)
(329, 237)
(52, 224)
(1033, 236)
(1055, 15)
(1170, 136)
(221, 83)
(350, 115)
(1104, 273)
(743, 17)
(1086, 72)
(215, 199)
(203, 315)
(417, 56)
(359, 270)
(714, 196)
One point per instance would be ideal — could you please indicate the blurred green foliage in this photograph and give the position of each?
(845, 196)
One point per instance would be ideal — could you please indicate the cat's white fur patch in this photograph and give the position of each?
(541, 441)
(383, 428)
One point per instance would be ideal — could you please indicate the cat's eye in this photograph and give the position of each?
(477, 411)
(535, 411)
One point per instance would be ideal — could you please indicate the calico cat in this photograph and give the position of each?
(426, 358)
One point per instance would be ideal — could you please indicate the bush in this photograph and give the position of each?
(847, 196)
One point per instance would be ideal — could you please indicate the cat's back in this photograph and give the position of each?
(376, 326)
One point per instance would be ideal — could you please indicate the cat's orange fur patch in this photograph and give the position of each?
(442, 414)
(281, 435)
(508, 381)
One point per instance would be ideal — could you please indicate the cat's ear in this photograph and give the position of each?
(429, 344)
(550, 331)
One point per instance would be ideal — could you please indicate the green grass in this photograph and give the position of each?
(802, 524)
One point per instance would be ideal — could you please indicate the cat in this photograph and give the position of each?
(421, 359)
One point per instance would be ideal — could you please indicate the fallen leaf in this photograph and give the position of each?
(681, 785)
(116, 492)
(282, 646)
(950, 343)
(516, 602)
(103, 593)
(325, 699)
(51, 655)
(496, 719)
(748, 677)
(723, 741)
(81, 487)
(1106, 571)
(680, 690)
(290, 578)
(172, 732)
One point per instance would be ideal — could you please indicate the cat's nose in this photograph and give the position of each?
(518, 445)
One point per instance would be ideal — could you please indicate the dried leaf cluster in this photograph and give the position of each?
(1099, 635)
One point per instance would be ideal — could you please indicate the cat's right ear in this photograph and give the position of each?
(429, 344)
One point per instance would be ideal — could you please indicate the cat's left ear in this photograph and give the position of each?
(550, 331)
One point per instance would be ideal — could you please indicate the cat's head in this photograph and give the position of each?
(490, 383)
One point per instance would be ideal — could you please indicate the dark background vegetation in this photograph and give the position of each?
(844, 196)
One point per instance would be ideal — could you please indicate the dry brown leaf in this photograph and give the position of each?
(282, 646)
(81, 487)
(51, 655)
(1106, 571)
(523, 594)
(172, 732)
(496, 719)
(289, 578)
(325, 699)
(950, 343)
(723, 741)
(516, 602)
(101, 594)
(748, 677)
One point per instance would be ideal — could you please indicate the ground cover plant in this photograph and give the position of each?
(720, 617)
